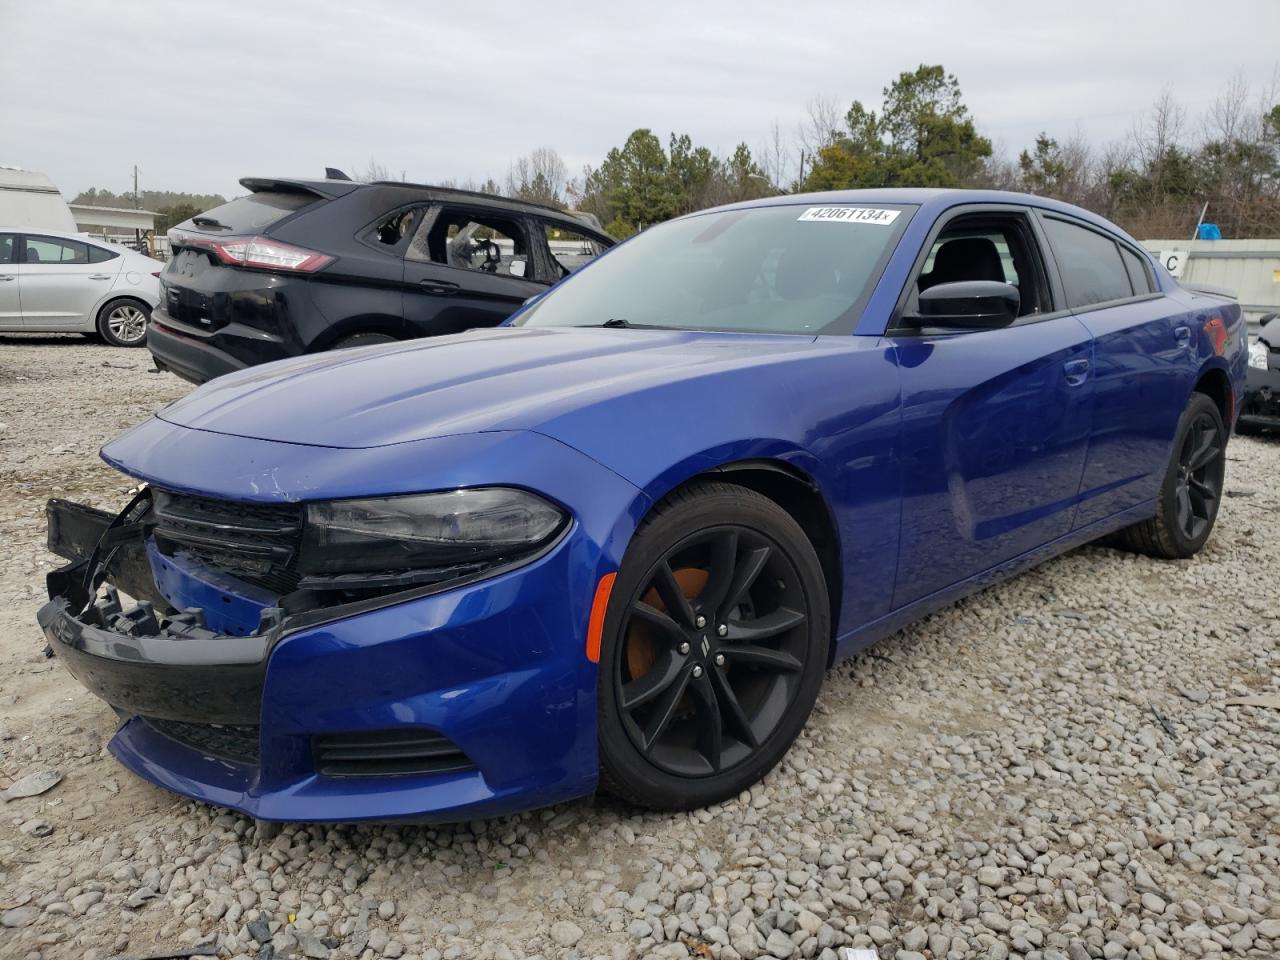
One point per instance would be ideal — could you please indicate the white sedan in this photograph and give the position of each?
(52, 281)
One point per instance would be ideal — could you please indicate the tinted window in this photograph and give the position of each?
(50, 250)
(7, 242)
(254, 212)
(570, 249)
(1139, 275)
(1090, 264)
(777, 269)
(101, 254)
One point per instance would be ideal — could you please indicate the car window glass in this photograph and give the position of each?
(101, 254)
(391, 230)
(1090, 264)
(470, 241)
(255, 212)
(981, 248)
(569, 249)
(1139, 275)
(7, 243)
(49, 250)
(777, 269)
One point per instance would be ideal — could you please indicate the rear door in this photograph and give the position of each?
(468, 268)
(10, 302)
(995, 422)
(60, 283)
(1142, 364)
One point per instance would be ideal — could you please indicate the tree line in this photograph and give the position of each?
(1155, 182)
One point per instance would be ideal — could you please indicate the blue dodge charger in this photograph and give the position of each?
(617, 542)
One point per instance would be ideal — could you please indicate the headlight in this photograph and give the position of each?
(425, 531)
(1258, 355)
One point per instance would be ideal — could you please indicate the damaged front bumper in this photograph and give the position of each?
(443, 704)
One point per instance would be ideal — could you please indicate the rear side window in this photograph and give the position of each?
(7, 242)
(53, 250)
(101, 255)
(1090, 264)
(253, 213)
(1139, 275)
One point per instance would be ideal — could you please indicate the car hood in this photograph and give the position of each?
(498, 379)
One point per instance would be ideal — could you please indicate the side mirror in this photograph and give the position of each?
(968, 305)
(517, 268)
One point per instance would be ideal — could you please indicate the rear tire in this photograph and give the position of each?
(1192, 487)
(362, 340)
(690, 712)
(123, 323)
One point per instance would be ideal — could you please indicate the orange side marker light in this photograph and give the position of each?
(595, 626)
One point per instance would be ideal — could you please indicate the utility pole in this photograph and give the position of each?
(137, 205)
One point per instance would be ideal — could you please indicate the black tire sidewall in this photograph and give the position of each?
(1185, 546)
(104, 329)
(624, 769)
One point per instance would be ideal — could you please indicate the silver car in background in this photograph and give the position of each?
(67, 282)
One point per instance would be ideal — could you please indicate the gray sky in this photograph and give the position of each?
(199, 94)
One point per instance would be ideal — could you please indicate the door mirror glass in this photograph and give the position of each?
(517, 267)
(968, 304)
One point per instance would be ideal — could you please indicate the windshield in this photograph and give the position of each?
(778, 269)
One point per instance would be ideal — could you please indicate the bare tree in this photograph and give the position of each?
(540, 176)
(775, 159)
(376, 171)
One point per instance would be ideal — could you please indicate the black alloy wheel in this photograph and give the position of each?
(1200, 474)
(1191, 493)
(718, 638)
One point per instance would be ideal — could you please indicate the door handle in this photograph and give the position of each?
(1182, 335)
(1077, 371)
(441, 287)
(7, 278)
(100, 276)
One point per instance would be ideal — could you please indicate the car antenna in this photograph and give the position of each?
(333, 173)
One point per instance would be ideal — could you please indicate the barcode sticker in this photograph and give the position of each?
(874, 215)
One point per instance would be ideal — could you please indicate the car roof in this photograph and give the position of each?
(933, 198)
(337, 188)
(63, 235)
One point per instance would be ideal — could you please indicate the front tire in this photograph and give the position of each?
(715, 643)
(123, 323)
(1192, 488)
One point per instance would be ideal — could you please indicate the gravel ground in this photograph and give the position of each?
(1052, 769)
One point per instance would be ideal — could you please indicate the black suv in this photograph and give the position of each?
(300, 266)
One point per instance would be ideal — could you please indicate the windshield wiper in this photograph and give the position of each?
(209, 222)
(616, 322)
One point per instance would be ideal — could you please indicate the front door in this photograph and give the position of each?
(10, 302)
(995, 422)
(60, 286)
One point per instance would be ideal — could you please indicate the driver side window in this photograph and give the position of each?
(467, 240)
(993, 248)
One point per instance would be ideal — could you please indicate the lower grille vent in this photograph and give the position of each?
(387, 753)
(237, 743)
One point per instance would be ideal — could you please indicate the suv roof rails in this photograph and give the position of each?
(479, 194)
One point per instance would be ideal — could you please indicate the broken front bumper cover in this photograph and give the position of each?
(127, 658)
(493, 668)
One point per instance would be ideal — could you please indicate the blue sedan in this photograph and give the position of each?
(616, 543)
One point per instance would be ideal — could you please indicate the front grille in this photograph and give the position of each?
(254, 542)
(237, 743)
(383, 753)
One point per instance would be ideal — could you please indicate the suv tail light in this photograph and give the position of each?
(260, 252)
